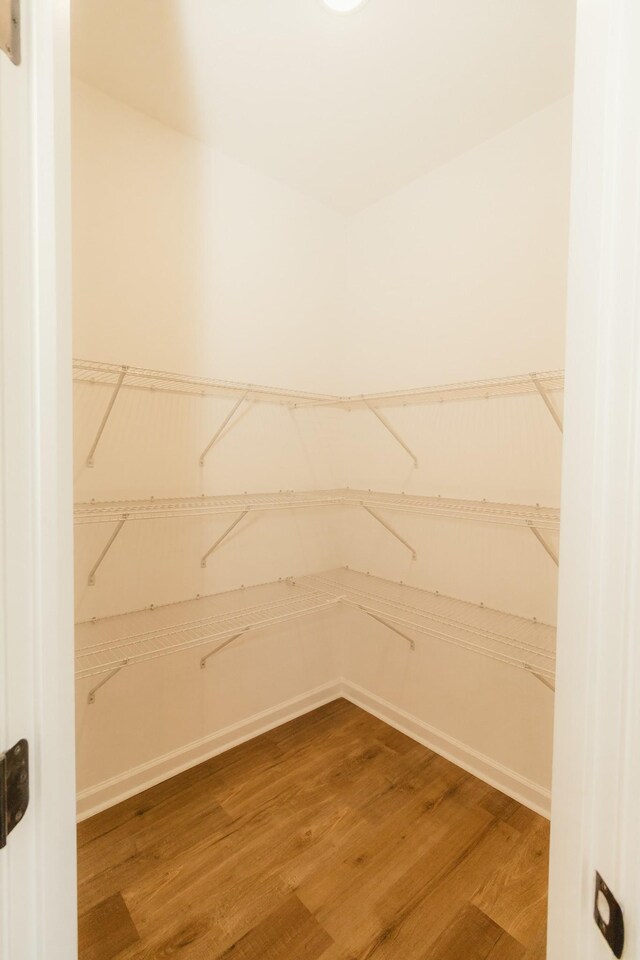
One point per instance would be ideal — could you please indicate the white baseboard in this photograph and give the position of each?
(113, 791)
(530, 794)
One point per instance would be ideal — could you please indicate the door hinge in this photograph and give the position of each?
(10, 29)
(608, 916)
(14, 788)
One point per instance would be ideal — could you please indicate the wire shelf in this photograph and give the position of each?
(550, 381)
(513, 514)
(107, 644)
(501, 636)
(157, 509)
(94, 371)
(112, 642)
(547, 518)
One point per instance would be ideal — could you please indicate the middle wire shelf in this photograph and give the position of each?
(547, 518)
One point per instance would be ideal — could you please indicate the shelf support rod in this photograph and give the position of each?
(393, 532)
(547, 547)
(385, 423)
(91, 697)
(389, 626)
(550, 407)
(106, 416)
(92, 575)
(227, 420)
(548, 683)
(221, 646)
(224, 536)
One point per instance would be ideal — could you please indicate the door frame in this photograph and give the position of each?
(37, 868)
(596, 767)
(596, 778)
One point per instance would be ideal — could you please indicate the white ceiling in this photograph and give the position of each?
(346, 108)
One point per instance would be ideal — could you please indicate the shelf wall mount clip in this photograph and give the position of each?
(394, 433)
(232, 526)
(547, 402)
(91, 580)
(91, 696)
(107, 414)
(225, 423)
(390, 529)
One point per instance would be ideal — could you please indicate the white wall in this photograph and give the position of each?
(488, 716)
(460, 275)
(187, 261)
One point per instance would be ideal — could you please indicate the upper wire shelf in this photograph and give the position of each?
(94, 371)
(549, 382)
(109, 374)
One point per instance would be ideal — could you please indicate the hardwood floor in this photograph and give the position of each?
(333, 837)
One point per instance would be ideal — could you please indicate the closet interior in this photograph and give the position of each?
(319, 295)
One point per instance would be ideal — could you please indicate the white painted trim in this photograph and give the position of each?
(596, 774)
(530, 794)
(109, 792)
(38, 912)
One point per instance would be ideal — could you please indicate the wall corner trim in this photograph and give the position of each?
(531, 795)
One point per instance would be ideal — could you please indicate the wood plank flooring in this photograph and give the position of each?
(333, 837)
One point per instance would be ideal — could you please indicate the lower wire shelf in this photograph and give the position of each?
(515, 640)
(113, 642)
(105, 646)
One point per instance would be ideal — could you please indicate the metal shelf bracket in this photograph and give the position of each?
(224, 536)
(547, 402)
(548, 683)
(393, 532)
(10, 29)
(107, 414)
(389, 626)
(92, 574)
(554, 556)
(91, 696)
(227, 420)
(221, 646)
(396, 436)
